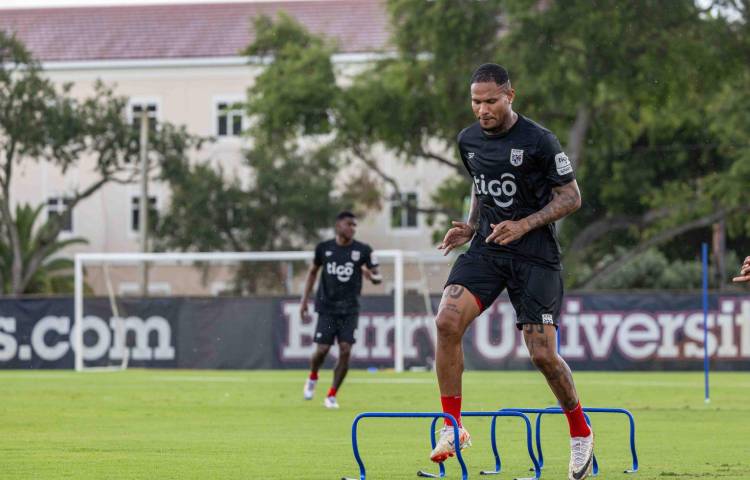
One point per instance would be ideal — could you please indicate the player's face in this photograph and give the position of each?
(491, 104)
(346, 228)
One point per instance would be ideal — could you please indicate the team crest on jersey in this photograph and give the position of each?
(516, 157)
(355, 255)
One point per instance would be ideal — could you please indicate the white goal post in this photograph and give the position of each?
(82, 260)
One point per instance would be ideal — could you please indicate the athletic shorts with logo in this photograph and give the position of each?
(536, 292)
(333, 326)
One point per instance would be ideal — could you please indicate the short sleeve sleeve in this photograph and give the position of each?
(370, 259)
(555, 163)
(318, 260)
(462, 151)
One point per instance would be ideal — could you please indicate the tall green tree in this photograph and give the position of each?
(623, 85)
(42, 122)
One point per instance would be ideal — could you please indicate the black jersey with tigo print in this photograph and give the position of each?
(514, 174)
(341, 275)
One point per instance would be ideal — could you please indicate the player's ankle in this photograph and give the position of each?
(577, 422)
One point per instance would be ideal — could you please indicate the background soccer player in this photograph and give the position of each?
(345, 260)
(523, 183)
(744, 272)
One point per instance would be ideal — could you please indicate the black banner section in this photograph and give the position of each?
(654, 331)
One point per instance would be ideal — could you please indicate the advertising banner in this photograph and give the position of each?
(603, 331)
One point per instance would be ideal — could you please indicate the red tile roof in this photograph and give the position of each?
(183, 31)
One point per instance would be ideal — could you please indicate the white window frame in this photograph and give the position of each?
(134, 233)
(409, 230)
(228, 99)
(61, 205)
(144, 101)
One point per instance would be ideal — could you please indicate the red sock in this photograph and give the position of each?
(331, 392)
(452, 405)
(313, 375)
(577, 422)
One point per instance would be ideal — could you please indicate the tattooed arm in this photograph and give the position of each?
(462, 232)
(566, 199)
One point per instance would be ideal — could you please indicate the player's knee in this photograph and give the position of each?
(448, 325)
(345, 350)
(323, 349)
(543, 359)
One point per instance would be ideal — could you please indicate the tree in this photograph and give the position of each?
(53, 274)
(44, 123)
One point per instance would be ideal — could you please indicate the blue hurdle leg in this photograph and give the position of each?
(441, 467)
(631, 422)
(595, 466)
(493, 443)
(529, 447)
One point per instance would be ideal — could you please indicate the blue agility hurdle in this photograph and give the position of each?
(586, 410)
(434, 416)
(452, 420)
(498, 465)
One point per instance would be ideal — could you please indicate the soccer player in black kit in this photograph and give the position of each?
(344, 261)
(523, 183)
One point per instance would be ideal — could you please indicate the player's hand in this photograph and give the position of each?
(456, 236)
(508, 231)
(374, 277)
(303, 309)
(744, 272)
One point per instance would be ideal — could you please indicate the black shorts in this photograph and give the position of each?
(536, 292)
(332, 325)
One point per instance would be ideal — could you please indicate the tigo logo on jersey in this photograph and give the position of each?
(498, 189)
(343, 272)
(563, 164)
(355, 255)
(516, 157)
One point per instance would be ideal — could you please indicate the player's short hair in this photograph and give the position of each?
(345, 214)
(491, 72)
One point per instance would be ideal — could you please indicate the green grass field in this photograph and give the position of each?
(254, 425)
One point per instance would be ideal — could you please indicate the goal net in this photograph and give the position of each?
(242, 310)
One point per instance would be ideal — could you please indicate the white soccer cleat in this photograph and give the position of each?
(581, 457)
(445, 446)
(330, 402)
(309, 389)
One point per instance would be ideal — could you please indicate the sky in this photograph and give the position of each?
(73, 3)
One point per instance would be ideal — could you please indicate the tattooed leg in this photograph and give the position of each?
(542, 344)
(457, 310)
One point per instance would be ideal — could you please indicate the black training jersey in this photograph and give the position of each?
(514, 173)
(341, 277)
